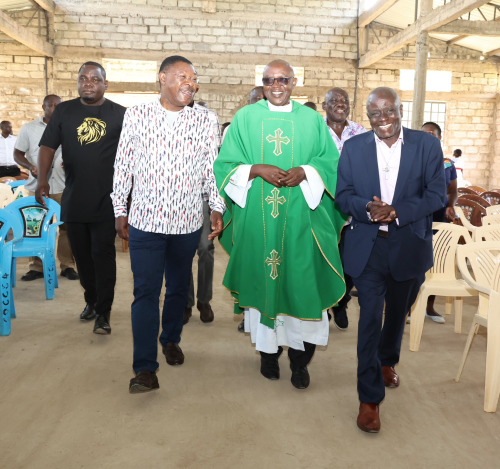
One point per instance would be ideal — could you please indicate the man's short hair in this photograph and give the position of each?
(94, 64)
(458, 152)
(434, 125)
(4, 123)
(311, 105)
(173, 59)
(50, 96)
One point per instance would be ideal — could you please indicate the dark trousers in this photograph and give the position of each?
(153, 255)
(380, 346)
(342, 306)
(9, 171)
(93, 246)
(297, 357)
(205, 263)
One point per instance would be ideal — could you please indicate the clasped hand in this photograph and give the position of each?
(278, 177)
(381, 212)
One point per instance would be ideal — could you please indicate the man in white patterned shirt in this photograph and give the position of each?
(337, 107)
(168, 150)
(205, 246)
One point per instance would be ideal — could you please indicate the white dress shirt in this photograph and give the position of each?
(388, 160)
(7, 150)
(239, 185)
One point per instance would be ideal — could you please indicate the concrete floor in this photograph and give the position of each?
(65, 402)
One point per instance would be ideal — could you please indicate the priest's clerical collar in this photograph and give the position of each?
(285, 108)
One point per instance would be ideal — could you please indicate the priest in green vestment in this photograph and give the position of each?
(277, 172)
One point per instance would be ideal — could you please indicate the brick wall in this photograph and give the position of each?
(225, 48)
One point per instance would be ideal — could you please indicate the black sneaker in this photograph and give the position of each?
(340, 319)
(70, 274)
(88, 313)
(32, 275)
(101, 325)
(241, 326)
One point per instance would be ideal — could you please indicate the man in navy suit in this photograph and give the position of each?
(391, 181)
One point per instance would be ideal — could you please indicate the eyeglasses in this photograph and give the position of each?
(184, 78)
(268, 81)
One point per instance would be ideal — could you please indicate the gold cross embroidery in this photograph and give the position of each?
(274, 261)
(275, 200)
(277, 141)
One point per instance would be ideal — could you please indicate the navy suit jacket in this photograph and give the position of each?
(420, 191)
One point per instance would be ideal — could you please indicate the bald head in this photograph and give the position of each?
(280, 64)
(384, 109)
(386, 93)
(336, 105)
(256, 95)
(339, 91)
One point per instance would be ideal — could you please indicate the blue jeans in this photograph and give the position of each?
(152, 255)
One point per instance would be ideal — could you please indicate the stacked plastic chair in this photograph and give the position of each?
(7, 223)
(38, 237)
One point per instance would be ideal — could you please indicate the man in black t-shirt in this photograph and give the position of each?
(88, 129)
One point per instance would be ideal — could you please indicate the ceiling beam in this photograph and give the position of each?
(492, 52)
(470, 28)
(376, 10)
(47, 5)
(433, 20)
(456, 39)
(24, 35)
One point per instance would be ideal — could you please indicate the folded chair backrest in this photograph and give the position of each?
(488, 232)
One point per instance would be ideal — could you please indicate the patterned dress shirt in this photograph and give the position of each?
(170, 168)
(350, 130)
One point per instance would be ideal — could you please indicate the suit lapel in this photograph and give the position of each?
(407, 155)
(371, 164)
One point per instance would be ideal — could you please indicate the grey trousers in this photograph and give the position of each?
(205, 263)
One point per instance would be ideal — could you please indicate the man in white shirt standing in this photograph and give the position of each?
(8, 166)
(26, 154)
(337, 107)
(168, 150)
(390, 181)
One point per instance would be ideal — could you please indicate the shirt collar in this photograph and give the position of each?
(40, 119)
(399, 138)
(162, 109)
(286, 108)
(10, 136)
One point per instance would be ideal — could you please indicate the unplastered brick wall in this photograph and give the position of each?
(494, 169)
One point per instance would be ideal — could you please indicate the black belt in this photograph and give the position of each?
(9, 167)
(383, 234)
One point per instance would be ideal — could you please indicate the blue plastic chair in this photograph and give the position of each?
(14, 185)
(38, 237)
(7, 222)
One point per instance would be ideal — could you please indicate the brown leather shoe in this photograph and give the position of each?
(206, 313)
(173, 354)
(391, 378)
(145, 381)
(188, 312)
(368, 418)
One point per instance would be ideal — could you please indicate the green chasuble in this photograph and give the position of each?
(284, 257)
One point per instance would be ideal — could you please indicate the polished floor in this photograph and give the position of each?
(65, 403)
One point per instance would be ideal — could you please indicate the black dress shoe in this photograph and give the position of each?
(88, 313)
(32, 275)
(269, 366)
(145, 381)
(188, 312)
(206, 313)
(340, 319)
(70, 274)
(300, 376)
(101, 325)
(241, 326)
(173, 354)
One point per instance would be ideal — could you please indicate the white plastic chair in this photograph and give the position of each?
(465, 222)
(441, 280)
(484, 259)
(488, 232)
(6, 195)
(491, 219)
(493, 210)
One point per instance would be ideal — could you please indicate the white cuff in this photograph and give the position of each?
(238, 185)
(312, 187)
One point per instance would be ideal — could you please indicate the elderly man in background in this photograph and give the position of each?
(337, 107)
(26, 155)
